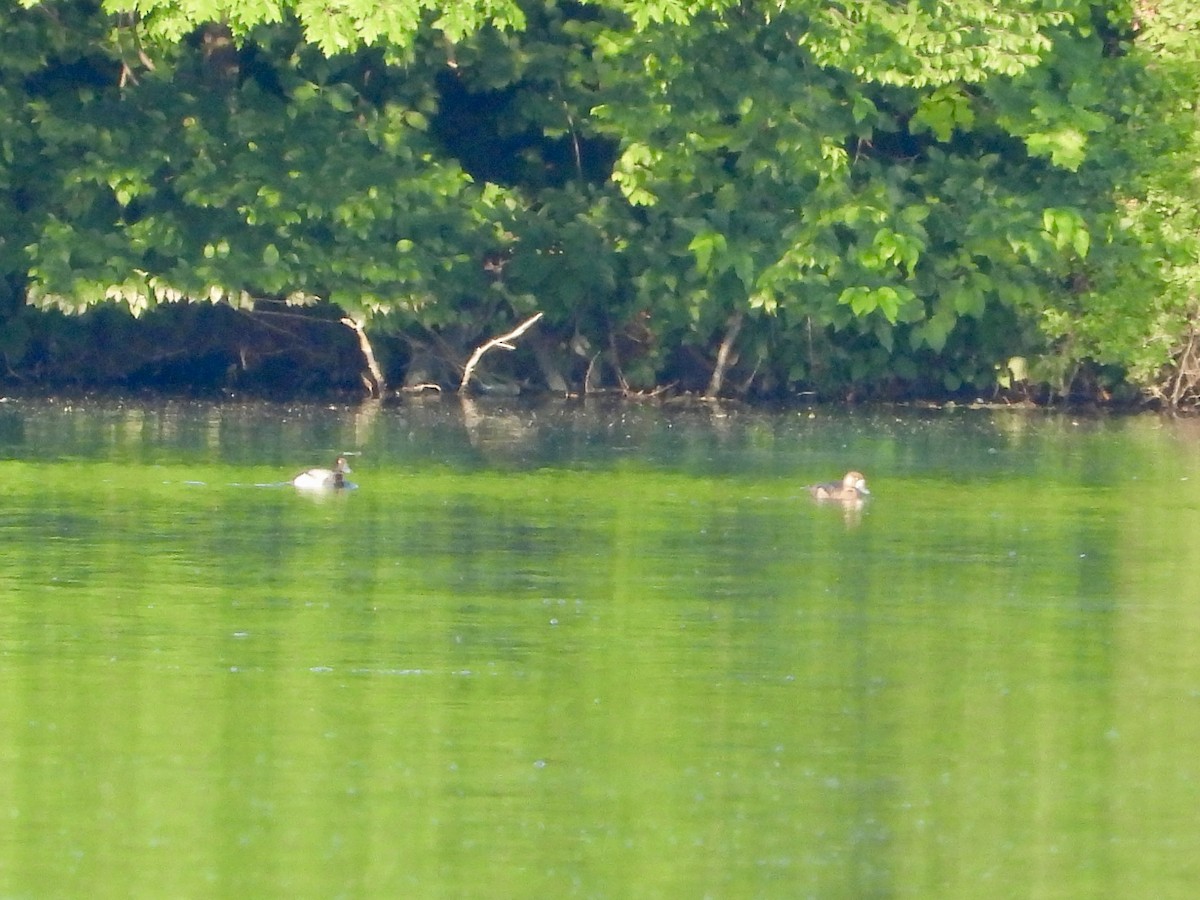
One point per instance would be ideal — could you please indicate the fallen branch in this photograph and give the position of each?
(374, 383)
(502, 341)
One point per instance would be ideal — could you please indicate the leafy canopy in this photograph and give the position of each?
(854, 190)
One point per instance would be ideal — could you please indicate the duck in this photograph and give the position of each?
(852, 489)
(324, 479)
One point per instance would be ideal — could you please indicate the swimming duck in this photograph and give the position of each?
(324, 479)
(852, 489)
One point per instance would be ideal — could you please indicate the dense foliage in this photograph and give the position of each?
(870, 198)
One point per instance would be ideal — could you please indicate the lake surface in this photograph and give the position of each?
(577, 650)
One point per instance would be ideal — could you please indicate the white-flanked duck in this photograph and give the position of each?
(324, 479)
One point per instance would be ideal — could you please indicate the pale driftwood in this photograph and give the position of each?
(589, 378)
(501, 341)
(373, 377)
(718, 375)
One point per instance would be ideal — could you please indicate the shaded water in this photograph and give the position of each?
(600, 651)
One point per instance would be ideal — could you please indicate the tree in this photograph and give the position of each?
(767, 197)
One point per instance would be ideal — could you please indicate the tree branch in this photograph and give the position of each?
(501, 341)
(718, 375)
(374, 383)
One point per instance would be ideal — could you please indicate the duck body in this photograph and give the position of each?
(853, 489)
(324, 479)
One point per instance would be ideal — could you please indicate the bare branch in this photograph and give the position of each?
(501, 341)
(373, 377)
(718, 375)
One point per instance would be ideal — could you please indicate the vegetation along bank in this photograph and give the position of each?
(992, 198)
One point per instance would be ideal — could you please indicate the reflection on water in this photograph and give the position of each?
(596, 650)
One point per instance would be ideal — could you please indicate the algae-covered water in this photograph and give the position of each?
(596, 651)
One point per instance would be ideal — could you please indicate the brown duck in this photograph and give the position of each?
(852, 489)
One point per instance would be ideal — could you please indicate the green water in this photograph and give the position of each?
(602, 651)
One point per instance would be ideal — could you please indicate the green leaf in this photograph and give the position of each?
(1066, 229)
(764, 301)
(414, 119)
(885, 334)
(862, 109)
(340, 98)
(967, 300)
(704, 245)
(1082, 242)
(743, 267)
(1066, 147)
(934, 331)
(887, 301)
(942, 111)
(860, 300)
